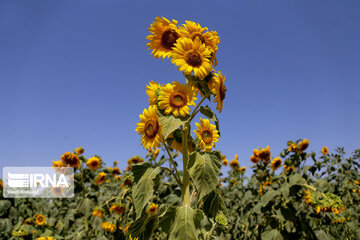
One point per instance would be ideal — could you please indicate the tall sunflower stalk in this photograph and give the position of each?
(167, 121)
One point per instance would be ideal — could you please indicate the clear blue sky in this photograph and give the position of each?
(73, 73)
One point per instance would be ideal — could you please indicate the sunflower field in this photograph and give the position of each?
(184, 189)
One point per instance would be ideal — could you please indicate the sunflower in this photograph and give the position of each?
(210, 39)
(71, 159)
(152, 90)
(163, 37)
(275, 163)
(176, 98)
(115, 171)
(303, 145)
(93, 163)
(234, 164)
(217, 87)
(293, 147)
(325, 150)
(28, 221)
(153, 208)
(100, 178)
(135, 160)
(79, 150)
(115, 163)
(254, 159)
(57, 190)
(57, 164)
(39, 219)
(176, 141)
(117, 208)
(192, 56)
(225, 162)
(207, 134)
(108, 227)
(242, 170)
(156, 153)
(150, 129)
(264, 154)
(98, 212)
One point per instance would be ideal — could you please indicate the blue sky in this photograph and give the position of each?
(73, 73)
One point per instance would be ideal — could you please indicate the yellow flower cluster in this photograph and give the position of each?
(100, 179)
(70, 160)
(261, 154)
(301, 146)
(108, 227)
(79, 150)
(193, 49)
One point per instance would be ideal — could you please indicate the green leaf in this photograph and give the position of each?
(296, 179)
(143, 189)
(143, 227)
(5, 225)
(169, 123)
(167, 218)
(205, 171)
(206, 111)
(4, 206)
(86, 206)
(268, 196)
(184, 225)
(213, 203)
(321, 235)
(273, 234)
(138, 170)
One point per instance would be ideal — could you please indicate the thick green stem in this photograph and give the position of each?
(185, 191)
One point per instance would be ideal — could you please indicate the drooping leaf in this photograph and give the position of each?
(166, 219)
(143, 227)
(86, 206)
(184, 225)
(268, 196)
(205, 171)
(213, 203)
(143, 189)
(273, 234)
(138, 170)
(169, 123)
(321, 235)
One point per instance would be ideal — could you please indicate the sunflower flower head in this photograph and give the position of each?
(207, 134)
(152, 90)
(163, 37)
(71, 160)
(98, 212)
(303, 145)
(176, 98)
(264, 154)
(254, 159)
(57, 164)
(225, 162)
(40, 219)
(108, 227)
(292, 147)
(115, 171)
(117, 208)
(192, 56)
(234, 164)
(100, 179)
(217, 87)
(152, 209)
(93, 163)
(325, 150)
(149, 128)
(79, 150)
(275, 163)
